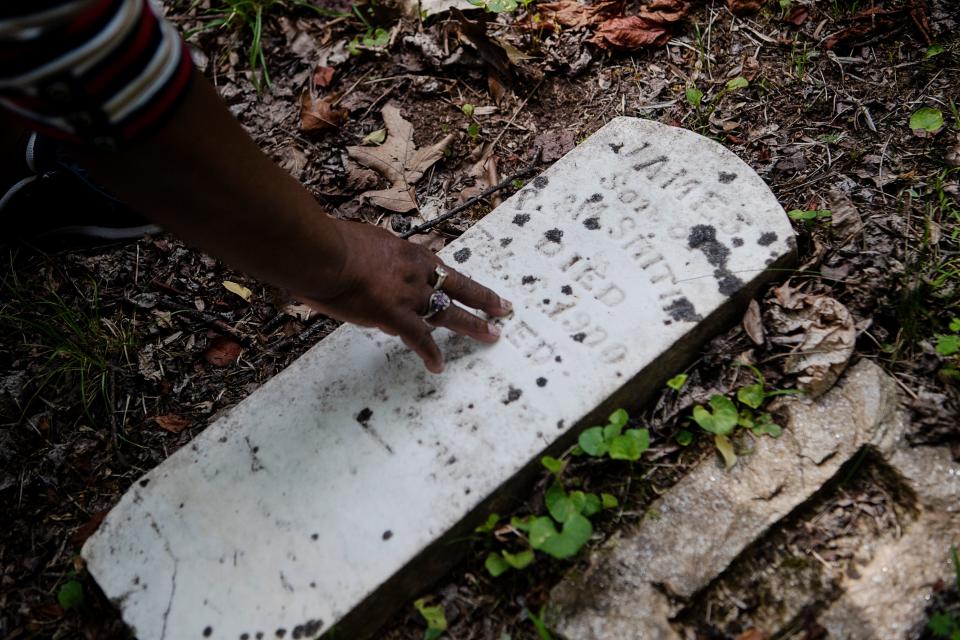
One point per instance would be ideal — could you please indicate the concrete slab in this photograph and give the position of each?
(325, 498)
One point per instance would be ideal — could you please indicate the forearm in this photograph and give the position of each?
(202, 177)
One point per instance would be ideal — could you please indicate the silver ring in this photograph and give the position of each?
(439, 301)
(441, 277)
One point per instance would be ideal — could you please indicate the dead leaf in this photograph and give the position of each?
(483, 171)
(744, 7)
(399, 161)
(752, 324)
(652, 27)
(821, 331)
(323, 76)
(86, 530)
(238, 289)
(798, 15)
(172, 423)
(374, 138)
(878, 23)
(222, 352)
(630, 33)
(299, 311)
(845, 218)
(573, 15)
(752, 634)
(319, 114)
(490, 51)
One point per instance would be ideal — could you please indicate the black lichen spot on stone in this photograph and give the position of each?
(297, 633)
(364, 416)
(683, 309)
(313, 585)
(540, 182)
(312, 627)
(767, 239)
(546, 301)
(281, 632)
(145, 482)
(729, 284)
(521, 219)
(592, 223)
(566, 290)
(505, 241)
(541, 382)
(616, 147)
(791, 242)
(528, 279)
(727, 178)
(704, 237)
(737, 242)
(579, 337)
(559, 424)
(462, 255)
(244, 636)
(208, 632)
(259, 635)
(597, 197)
(554, 235)
(512, 394)
(558, 359)
(314, 536)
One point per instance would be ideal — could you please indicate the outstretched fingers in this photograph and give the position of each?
(415, 333)
(475, 295)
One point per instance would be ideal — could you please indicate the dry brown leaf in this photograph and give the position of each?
(845, 218)
(822, 333)
(573, 15)
(630, 33)
(483, 171)
(399, 161)
(665, 10)
(752, 323)
(222, 352)
(319, 114)
(298, 310)
(474, 32)
(744, 7)
(798, 15)
(322, 76)
(172, 423)
(752, 634)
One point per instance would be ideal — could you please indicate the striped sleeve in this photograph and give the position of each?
(98, 73)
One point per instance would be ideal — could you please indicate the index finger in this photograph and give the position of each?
(474, 295)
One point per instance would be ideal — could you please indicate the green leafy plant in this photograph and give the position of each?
(933, 50)
(724, 416)
(694, 96)
(566, 527)
(703, 107)
(537, 621)
(473, 130)
(611, 440)
(435, 618)
(500, 6)
(70, 594)
(676, 382)
(927, 119)
(810, 217)
(948, 344)
(945, 624)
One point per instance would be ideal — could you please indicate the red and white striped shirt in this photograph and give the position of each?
(91, 72)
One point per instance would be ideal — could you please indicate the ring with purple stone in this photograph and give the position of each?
(439, 301)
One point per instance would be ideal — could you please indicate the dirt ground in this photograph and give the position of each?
(112, 358)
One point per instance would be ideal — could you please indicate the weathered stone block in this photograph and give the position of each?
(322, 498)
(637, 582)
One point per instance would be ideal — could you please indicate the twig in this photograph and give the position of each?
(503, 184)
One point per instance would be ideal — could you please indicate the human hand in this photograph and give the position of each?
(386, 282)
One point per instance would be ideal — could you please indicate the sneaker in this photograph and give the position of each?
(57, 201)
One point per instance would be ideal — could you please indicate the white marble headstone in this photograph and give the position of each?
(331, 480)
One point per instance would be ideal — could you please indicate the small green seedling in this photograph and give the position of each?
(539, 624)
(694, 96)
(948, 344)
(810, 217)
(724, 417)
(473, 130)
(610, 440)
(468, 109)
(70, 594)
(933, 50)
(737, 83)
(676, 382)
(927, 119)
(435, 618)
